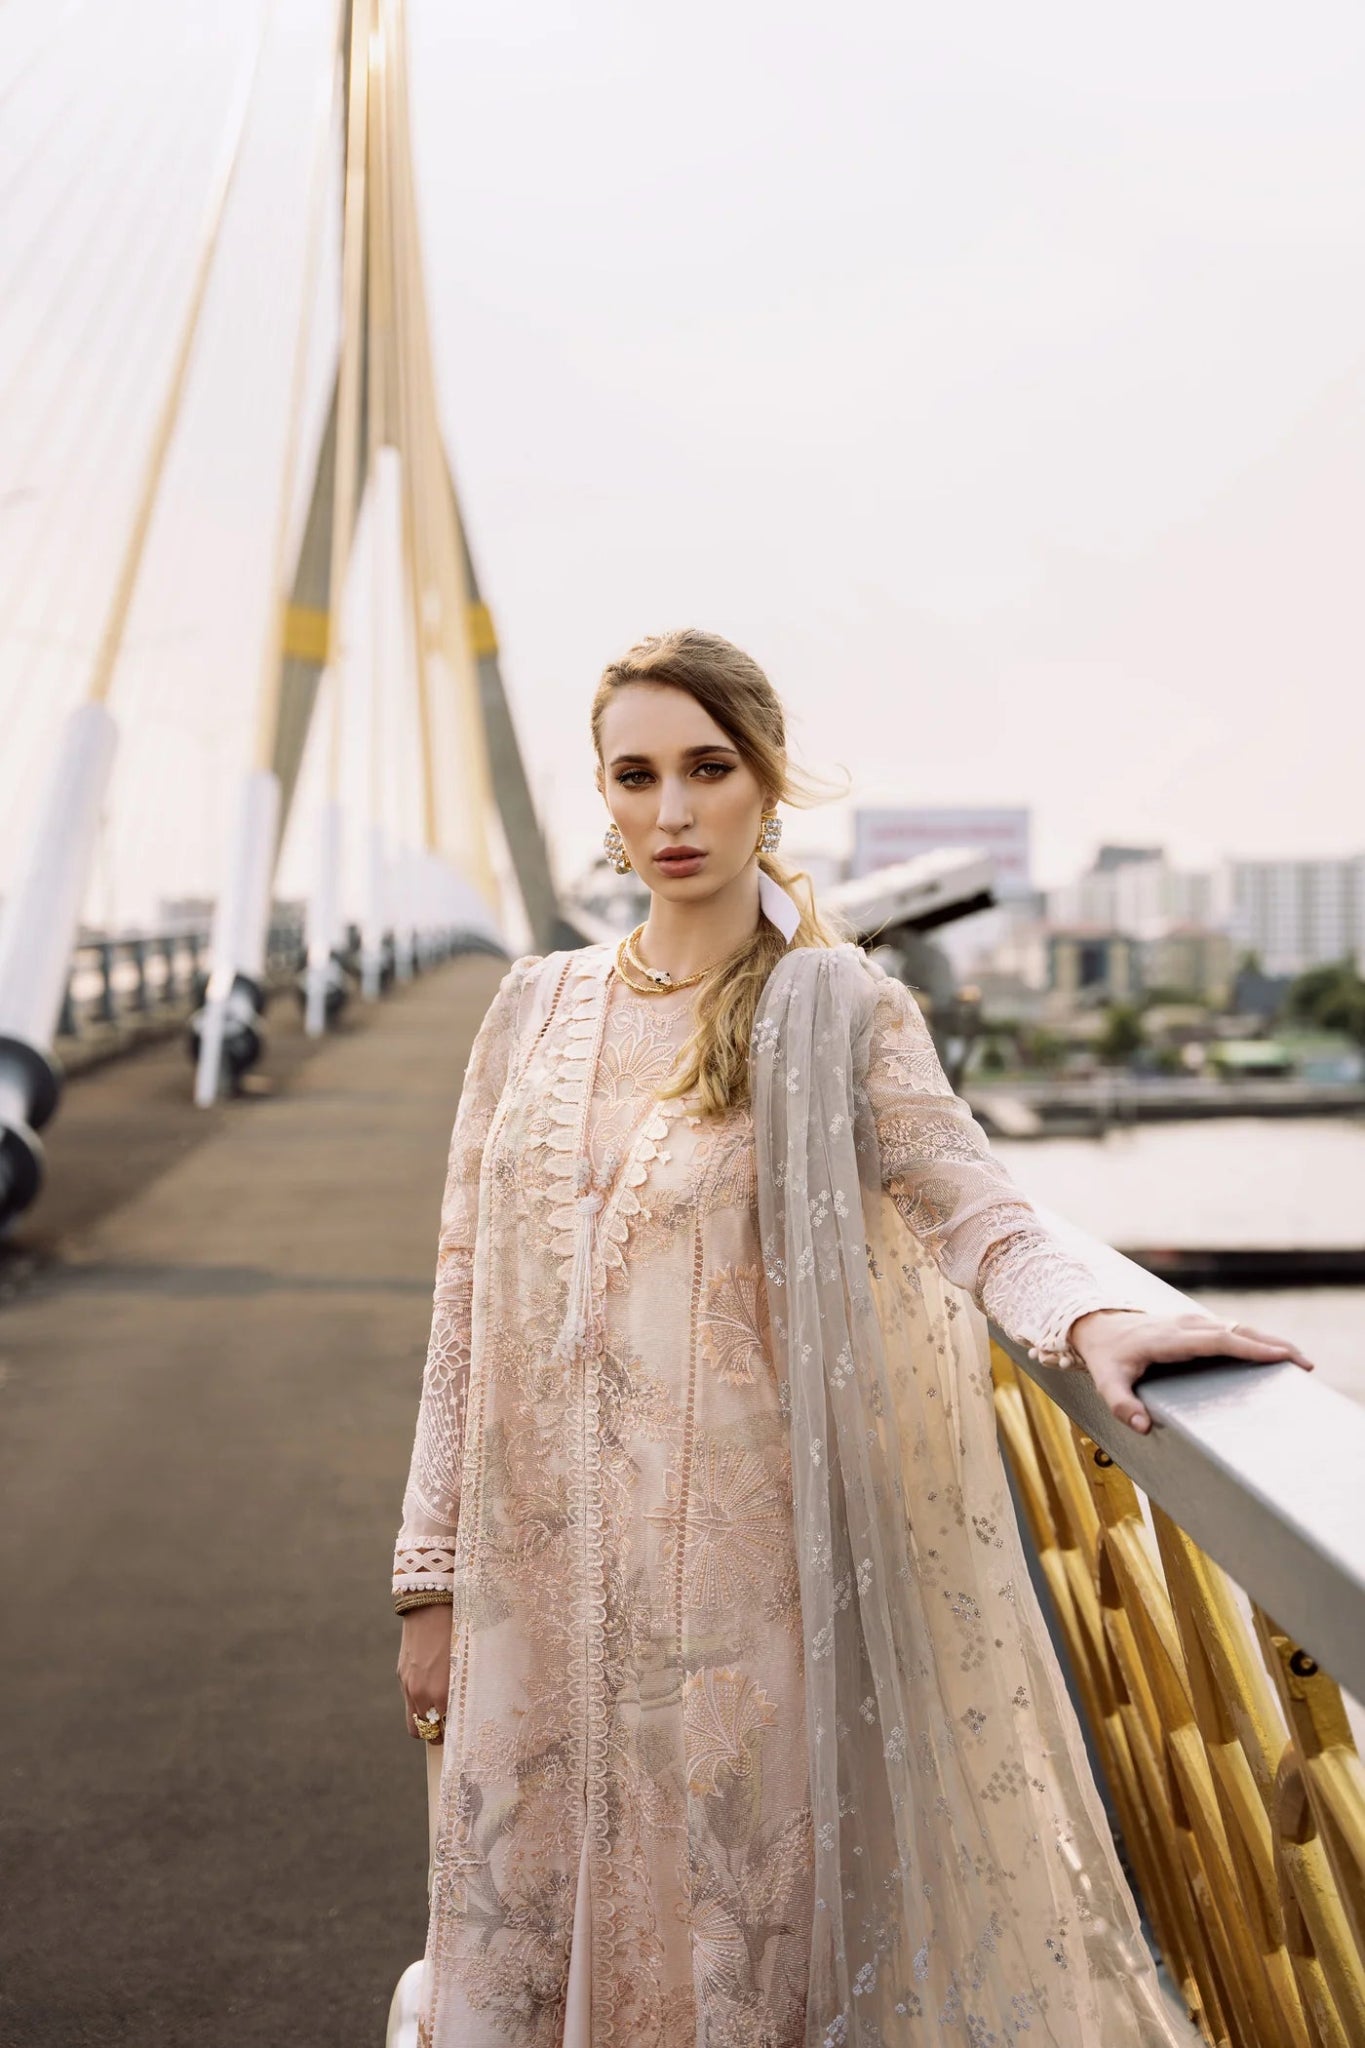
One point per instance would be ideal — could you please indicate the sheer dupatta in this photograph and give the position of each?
(967, 1887)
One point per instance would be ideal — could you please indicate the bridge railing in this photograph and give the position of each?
(122, 984)
(119, 979)
(1204, 1581)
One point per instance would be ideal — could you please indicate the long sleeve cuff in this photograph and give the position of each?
(1036, 1292)
(423, 1568)
(405, 1603)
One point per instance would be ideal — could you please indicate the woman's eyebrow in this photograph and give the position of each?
(688, 754)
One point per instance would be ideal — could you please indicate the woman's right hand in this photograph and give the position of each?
(424, 1661)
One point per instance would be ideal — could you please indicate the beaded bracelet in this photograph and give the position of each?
(404, 1602)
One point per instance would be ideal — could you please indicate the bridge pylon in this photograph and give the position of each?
(434, 730)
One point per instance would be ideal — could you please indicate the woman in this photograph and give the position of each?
(752, 1734)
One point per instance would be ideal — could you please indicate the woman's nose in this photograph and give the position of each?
(675, 812)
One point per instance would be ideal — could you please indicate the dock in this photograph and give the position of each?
(1057, 1108)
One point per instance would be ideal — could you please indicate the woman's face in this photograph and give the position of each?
(686, 803)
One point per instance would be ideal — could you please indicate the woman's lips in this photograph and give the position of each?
(679, 863)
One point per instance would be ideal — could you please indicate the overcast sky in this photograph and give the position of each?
(995, 375)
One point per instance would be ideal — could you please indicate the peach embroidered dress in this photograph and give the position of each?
(602, 1472)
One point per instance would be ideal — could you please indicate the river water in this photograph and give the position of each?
(1235, 1181)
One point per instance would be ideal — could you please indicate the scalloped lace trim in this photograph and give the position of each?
(578, 1049)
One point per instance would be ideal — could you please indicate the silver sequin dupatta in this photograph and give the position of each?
(967, 1888)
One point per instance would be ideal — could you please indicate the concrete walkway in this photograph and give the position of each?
(213, 1826)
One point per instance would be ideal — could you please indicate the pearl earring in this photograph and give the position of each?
(614, 847)
(770, 838)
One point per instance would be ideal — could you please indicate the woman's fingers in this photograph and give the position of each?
(1283, 1347)
(1115, 1389)
(1174, 1340)
(424, 1665)
(419, 1710)
(1216, 1340)
(1129, 1409)
(416, 1705)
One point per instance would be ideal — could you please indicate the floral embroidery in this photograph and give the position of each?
(721, 1949)
(725, 1160)
(724, 1710)
(738, 1530)
(734, 1329)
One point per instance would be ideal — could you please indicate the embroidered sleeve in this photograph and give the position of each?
(960, 1202)
(424, 1554)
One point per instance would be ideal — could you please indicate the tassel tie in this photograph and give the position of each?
(579, 1318)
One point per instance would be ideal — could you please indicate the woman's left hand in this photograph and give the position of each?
(1118, 1345)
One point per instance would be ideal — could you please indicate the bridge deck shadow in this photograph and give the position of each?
(214, 1823)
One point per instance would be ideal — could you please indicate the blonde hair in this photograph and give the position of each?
(731, 686)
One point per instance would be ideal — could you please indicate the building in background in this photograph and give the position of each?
(1295, 914)
(1136, 891)
(1131, 924)
(1088, 966)
(1164, 922)
(1110, 859)
(1189, 960)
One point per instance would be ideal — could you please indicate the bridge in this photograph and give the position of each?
(221, 1147)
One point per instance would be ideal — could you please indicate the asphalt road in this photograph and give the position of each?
(213, 1829)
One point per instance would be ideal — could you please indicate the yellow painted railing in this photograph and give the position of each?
(1229, 1759)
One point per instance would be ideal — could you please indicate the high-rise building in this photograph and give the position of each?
(1110, 859)
(1297, 914)
(1139, 894)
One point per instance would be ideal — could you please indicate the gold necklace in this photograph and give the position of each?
(658, 981)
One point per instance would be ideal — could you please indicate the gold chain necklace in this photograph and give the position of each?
(658, 981)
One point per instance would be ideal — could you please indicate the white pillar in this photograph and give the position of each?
(373, 921)
(42, 914)
(240, 920)
(324, 917)
(428, 903)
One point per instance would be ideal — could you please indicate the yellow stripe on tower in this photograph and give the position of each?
(306, 635)
(483, 640)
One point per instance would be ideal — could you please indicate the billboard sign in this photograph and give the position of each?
(883, 837)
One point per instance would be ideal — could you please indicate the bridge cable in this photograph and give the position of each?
(36, 600)
(107, 653)
(315, 203)
(96, 432)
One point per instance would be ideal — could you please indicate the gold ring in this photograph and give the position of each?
(430, 1726)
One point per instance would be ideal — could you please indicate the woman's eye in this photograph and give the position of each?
(639, 778)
